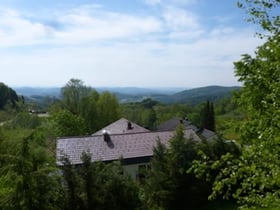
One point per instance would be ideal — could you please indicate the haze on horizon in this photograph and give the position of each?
(142, 43)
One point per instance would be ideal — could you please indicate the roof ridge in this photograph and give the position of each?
(121, 134)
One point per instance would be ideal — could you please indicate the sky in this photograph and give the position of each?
(121, 43)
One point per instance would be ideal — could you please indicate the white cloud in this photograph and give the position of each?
(84, 28)
(153, 2)
(205, 61)
(109, 48)
(180, 19)
(170, 2)
(17, 31)
(82, 25)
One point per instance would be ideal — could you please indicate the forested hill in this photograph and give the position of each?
(198, 95)
(192, 96)
(7, 96)
(130, 94)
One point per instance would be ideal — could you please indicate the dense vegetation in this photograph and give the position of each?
(8, 96)
(187, 174)
(31, 180)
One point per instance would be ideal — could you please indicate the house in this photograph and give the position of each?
(172, 124)
(122, 126)
(127, 141)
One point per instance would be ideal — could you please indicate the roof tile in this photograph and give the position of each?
(121, 127)
(129, 145)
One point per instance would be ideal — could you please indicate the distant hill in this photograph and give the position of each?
(38, 91)
(191, 96)
(122, 91)
(136, 91)
(133, 94)
(198, 95)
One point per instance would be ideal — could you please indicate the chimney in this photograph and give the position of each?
(129, 126)
(106, 136)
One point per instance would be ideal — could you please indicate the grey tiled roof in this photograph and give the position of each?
(207, 134)
(120, 126)
(131, 145)
(171, 125)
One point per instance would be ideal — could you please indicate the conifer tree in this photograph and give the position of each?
(208, 116)
(169, 186)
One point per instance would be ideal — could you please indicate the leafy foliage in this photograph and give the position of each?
(208, 116)
(263, 13)
(25, 120)
(168, 185)
(96, 110)
(99, 186)
(107, 108)
(28, 179)
(73, 93)
(67, 124)
(253, 178)
(7, 95)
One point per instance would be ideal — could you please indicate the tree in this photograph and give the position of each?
(25, 120)
(168, 185)
(260, 97)
(116, 190)
(67, 124)
(215, 159)
(73, 93)
(29, 179)
(98, 185)
(87, 175)
(107, 108)
(158, 185)
(7, 95)
(263, 13)
(72, 186)
(253, 178)
(148, 118)
(89, 112)
(208, 116)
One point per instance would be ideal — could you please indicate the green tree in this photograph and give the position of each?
(29, 179)
(98, 185)
(168, 185)
(73, 93)
(208, 116)
(148, 103)
(89, 112)
(108, 109)
(263, 13)
(261, 132)
(148, 118)
(67, 124)
(158, 185)
(25, 120)
(88, 176)
(72, 186)
(253, 178)
(7, 95)
(115, 189)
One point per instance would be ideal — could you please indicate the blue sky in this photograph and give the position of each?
(120, 43)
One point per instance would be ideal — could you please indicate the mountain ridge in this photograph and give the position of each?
(136, 94)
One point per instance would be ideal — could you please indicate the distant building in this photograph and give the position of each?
(123, 140)
(122, 126)
(173, 123)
